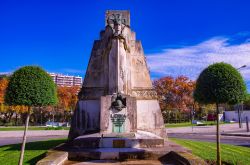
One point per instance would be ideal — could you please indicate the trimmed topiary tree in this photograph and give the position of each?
(219, 83)
(30, 86)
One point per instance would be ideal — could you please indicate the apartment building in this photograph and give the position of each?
(66, 80)
(59, 79)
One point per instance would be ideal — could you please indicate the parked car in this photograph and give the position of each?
(211, 117)
(56, 124)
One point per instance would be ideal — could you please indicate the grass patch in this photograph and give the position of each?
(188, 124)
(21, 128)
(34, 151)
(56, 128)
(230, 154)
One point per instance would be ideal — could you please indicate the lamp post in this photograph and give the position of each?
(243, 66)
(240, 109)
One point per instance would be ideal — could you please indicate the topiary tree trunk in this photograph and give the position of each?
(218, 135)
(24, 137)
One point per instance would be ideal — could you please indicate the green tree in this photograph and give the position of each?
(30, 86)
(247, 101)
(217, 84)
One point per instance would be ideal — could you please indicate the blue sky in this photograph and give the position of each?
(179, 37)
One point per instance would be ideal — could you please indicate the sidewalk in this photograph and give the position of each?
(33, 133)
(242, 134)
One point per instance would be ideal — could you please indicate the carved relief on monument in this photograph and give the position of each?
(140, 72)
(117, 23)
(118, 101)
(144, 94)
(122, 69)
(124, 16)
(118, 113)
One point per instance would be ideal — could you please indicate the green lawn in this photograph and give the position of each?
(34, 151)
(188, 124)
(19, 128)
(230, 154)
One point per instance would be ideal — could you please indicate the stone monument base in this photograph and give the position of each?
(120, 148)
(139, 139)
(170, 154)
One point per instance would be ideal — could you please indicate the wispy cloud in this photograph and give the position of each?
(68, 71)
(73, 71)
(191, 60)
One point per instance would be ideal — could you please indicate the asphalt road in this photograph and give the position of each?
(16, 140)
(208, 133)
(234, 140)
(201, 133)
(14, 137)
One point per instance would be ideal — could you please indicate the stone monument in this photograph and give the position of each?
(118, 119)
(117, 95)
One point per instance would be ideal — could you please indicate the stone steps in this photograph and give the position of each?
(113, 162)
(117, 153)
(138, 140)
(96, 148)
(95, 142)
(170, 154)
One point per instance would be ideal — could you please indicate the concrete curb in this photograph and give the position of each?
(54, 158)
(235, 134)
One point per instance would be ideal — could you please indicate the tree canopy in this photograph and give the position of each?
(220, 83)
(67, 97)
(175, 93)
(31, 86)
(3, 85)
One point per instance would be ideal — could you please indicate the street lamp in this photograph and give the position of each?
(240, 110)
(243, 66)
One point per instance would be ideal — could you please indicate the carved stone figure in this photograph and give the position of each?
(117, 23)
(122, 79)
(118, 101)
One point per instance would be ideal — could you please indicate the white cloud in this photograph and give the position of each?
(73, 71)
(191, 60)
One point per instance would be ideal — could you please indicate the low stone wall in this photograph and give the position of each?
(54, 158)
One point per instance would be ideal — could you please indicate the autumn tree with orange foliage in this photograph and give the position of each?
(3, 85)
(175, 94)
(67, 97)
(5, 111)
